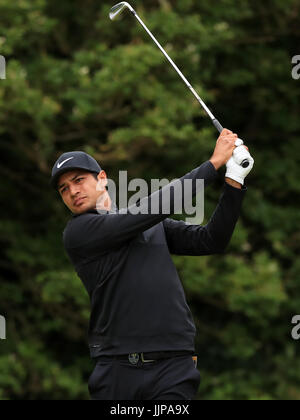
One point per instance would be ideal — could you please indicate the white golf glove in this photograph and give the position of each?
(234, 169)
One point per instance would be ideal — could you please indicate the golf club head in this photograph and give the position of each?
(118, 9)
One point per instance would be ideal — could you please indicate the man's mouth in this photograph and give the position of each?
(79, 201)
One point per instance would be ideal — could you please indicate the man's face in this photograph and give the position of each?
(78, 189)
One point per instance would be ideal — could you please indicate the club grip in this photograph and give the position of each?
(217, 125)
(245, 163)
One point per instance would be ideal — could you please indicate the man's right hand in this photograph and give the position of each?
(224, 148)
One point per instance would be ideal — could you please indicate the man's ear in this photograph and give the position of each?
(102, 181)
(101, 175)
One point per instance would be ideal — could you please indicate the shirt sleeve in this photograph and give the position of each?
(102, 233)
(213, 238)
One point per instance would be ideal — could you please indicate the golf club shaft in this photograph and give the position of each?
(118, 9)
(210, 114)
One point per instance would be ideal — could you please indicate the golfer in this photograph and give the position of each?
(141, 333)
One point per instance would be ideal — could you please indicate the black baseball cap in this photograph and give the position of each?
(73, 160)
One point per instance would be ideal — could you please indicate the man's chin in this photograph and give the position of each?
(82, 209)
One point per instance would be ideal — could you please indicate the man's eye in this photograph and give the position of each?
(79, 179)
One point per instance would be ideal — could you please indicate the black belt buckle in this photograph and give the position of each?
(133, 358)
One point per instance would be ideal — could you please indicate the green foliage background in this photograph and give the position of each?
(77, 81)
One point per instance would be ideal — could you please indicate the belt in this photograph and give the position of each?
(134, 358)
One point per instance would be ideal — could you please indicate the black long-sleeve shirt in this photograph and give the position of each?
(124, 260)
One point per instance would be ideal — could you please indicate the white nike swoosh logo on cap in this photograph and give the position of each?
(59, 165)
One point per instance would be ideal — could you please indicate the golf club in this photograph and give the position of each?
(116, 11)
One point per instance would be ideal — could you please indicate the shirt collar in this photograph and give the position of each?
(114, 209)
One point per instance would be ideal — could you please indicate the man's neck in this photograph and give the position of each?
(104, 202)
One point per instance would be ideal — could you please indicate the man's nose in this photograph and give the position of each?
(74, 189)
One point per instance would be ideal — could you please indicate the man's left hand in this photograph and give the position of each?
(236, 171)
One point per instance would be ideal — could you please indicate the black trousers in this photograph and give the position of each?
(176, 378)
